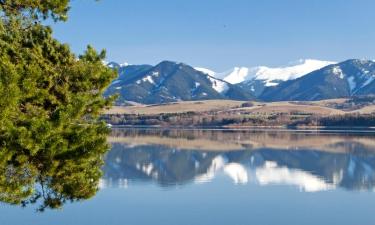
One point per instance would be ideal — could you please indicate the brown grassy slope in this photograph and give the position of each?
(287, 107)
(180, 107)
(366, 110)
(319, 107)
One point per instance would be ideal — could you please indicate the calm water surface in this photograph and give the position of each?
(218, 177)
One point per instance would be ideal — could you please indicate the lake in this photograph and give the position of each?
(186, 177)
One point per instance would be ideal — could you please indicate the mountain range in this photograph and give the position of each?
(303, 80)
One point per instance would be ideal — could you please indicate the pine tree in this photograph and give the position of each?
(49, 105)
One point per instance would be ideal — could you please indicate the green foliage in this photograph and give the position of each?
(36, 9)
(49, 105)
(45, 88)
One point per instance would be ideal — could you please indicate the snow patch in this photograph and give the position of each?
(124, 64)
(149, 79)
(352, 83)
(271, 84)
(337, 71)
(218, 85)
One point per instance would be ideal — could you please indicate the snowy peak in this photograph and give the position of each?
(349, 78)
(124, 64)
(257, 78)
(235, 76)
(115, 65)
(291, 72)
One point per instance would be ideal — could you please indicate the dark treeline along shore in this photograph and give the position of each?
(219, 120)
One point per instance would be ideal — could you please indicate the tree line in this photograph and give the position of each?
(229, 119)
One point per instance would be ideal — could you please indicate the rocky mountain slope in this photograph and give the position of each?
(170, 82)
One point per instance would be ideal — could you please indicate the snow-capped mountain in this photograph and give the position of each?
(257, 78)
(206, 71)
(170, 82)
(303, 80)
(342, 80)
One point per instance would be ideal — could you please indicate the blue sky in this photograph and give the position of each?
(220, 34)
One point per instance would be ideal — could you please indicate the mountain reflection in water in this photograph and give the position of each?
(311, 161)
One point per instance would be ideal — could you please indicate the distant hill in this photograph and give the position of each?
(170, 82)
(349, 78)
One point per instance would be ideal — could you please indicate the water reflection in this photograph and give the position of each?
(65, 168)
(310, 161)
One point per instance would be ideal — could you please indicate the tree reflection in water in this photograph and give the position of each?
(66, 167)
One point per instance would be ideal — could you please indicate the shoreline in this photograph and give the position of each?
(338, 129)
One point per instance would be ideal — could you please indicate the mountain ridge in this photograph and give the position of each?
(171, 81)
(348, 78)
(257, 78)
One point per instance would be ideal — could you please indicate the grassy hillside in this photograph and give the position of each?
(178, 107)
(334, 112)
(324, 107)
